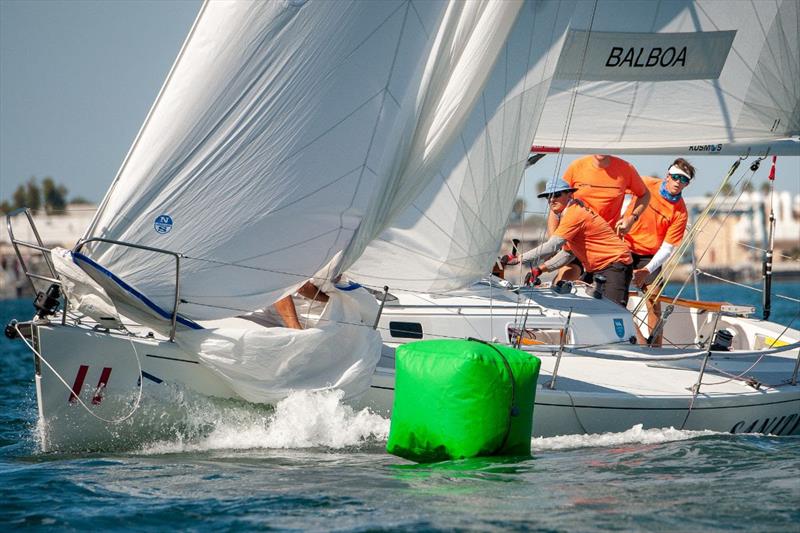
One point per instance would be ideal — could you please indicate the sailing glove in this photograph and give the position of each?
(532, 277)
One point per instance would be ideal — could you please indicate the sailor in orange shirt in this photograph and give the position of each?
(601, 182)
(653, 238)
(589, 238)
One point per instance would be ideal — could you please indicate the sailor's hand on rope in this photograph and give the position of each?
(640, 276)
(532, 277)
(509, 259)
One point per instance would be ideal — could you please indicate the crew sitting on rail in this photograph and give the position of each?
(660, 228)
(589, 238)
(600, 182)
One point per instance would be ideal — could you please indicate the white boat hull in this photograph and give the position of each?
(590, 395)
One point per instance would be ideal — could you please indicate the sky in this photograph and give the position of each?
(78, 77)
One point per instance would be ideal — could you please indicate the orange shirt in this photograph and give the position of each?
(603, 189)
(662, 221)
(590, 238)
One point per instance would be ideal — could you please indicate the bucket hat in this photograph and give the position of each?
(554, 186)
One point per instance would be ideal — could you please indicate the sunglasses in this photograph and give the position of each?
(555, 195)
(680, 177)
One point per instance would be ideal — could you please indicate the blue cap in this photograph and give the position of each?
(557, 185)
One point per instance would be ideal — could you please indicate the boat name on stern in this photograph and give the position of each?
(783, 425)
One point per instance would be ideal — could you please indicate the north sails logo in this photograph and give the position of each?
(646, 57)
(163, 224)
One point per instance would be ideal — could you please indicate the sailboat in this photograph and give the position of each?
(380, 145)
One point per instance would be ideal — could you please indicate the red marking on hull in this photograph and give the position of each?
(101, 385)
(78, 384)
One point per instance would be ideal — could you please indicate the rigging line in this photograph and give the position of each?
(541, 96)
(419, 19)
(764, 250)
(573, 101)
(756, 289)
(695, 231)
(659, 284)
(77, 396)
(731, 377)
(322, 320)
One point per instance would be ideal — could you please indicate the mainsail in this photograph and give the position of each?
(688, 77)
(696, 77)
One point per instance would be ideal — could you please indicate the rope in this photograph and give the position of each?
(514, 410)
(790, 258)
(77, 395)
(756, 289)
(658, 285)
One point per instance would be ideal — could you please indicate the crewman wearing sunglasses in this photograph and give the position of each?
(589, 238)
(659, 229)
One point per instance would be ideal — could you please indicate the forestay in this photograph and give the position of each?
(284, 130)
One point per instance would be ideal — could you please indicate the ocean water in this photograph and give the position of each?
(315, 464)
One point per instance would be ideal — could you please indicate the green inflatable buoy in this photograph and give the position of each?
(455, 399)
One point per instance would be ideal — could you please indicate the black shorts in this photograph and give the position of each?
(640, 261)
(618, 278)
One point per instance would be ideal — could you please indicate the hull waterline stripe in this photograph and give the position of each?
(151, 377)
(172, 359)
(568, 406)
(668, 408)
(136, 294)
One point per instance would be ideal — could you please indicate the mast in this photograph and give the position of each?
(766, 295)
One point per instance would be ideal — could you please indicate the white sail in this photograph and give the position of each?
(284, 130)
(450, 235)
(722, 79)
(705, 77)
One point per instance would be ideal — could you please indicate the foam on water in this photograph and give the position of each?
(635, 435)
(303, 420)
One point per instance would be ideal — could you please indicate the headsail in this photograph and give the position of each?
(284, 130)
